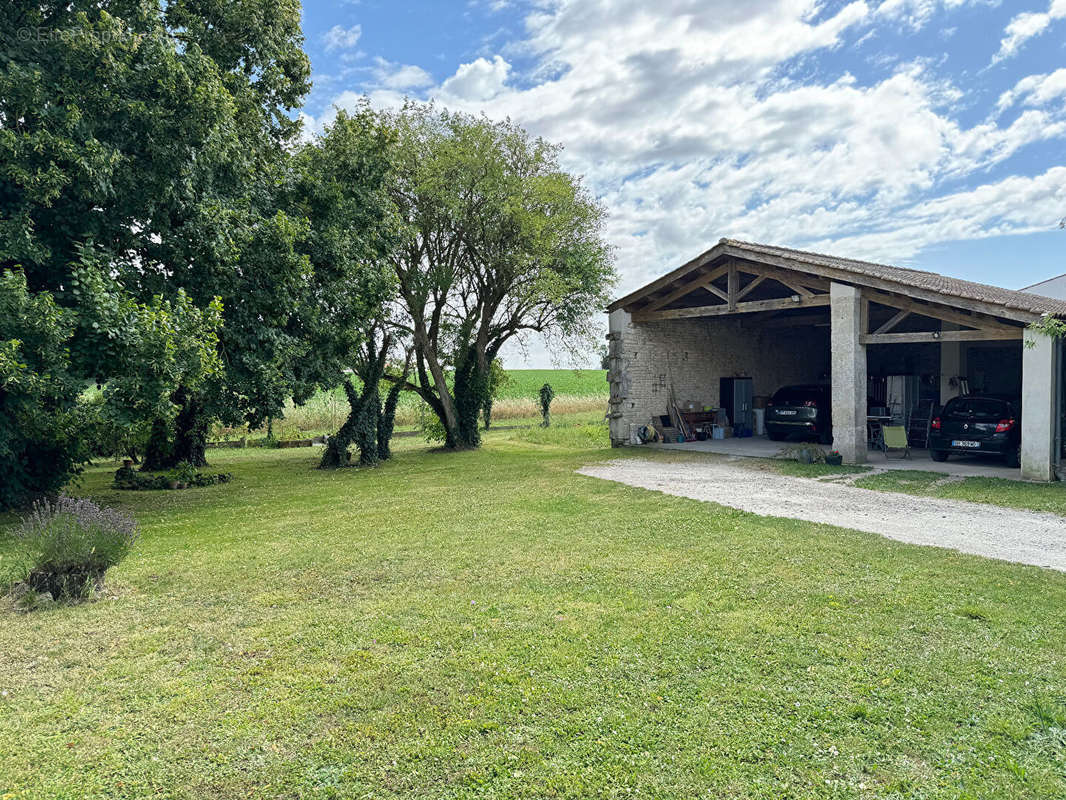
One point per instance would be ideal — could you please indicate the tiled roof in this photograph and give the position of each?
(953, 287)
(930, 282)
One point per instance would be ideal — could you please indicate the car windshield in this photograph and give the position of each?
(976, 407)
(796, 396)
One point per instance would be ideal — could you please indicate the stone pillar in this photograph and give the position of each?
(617, 377)
(849, 372)
(951, 365)
(1039, 375)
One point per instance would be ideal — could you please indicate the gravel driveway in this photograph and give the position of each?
(1027, 537)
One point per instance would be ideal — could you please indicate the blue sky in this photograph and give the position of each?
(926, 133)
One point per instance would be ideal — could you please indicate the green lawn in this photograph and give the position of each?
(489, 624)
(1049, 497)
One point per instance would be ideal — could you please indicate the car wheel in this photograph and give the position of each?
(1013, 459)
(776, 437)
(938, 455)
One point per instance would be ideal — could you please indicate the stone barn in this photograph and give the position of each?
(776, 317)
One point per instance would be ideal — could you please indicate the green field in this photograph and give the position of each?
(566, 382)
(489, 624)
(576, 391)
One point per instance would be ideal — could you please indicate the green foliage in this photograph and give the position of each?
(496, 241)
(140, 155)
(184, 472)
(1048, 325)
(127, 479)
(68, 545)
(41, 423)
(546, 394)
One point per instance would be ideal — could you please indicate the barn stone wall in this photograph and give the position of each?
(693, 354)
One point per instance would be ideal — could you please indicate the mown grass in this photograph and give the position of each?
(490, 624)
(1050, 497)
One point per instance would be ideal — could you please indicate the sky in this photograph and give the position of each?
(922, 133)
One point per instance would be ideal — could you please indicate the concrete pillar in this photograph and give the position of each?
(618, 322)
(951, 365)
(1039, 377)
(849, 372)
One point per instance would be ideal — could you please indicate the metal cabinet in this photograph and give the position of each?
(735, 396)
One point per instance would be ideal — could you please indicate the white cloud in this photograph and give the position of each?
(401, 76)
(341, 38)
(477, 81)
(1035, 90)
(688, 121)
(1025, 26)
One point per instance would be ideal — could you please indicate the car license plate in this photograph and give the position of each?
(786, 412)
(962, 443)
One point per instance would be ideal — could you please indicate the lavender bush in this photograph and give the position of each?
(70, 543)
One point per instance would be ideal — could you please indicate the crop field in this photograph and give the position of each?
(576, 391)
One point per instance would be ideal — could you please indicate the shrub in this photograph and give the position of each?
(130, 480)
(184, 473)
(547, 394)
(69, 545)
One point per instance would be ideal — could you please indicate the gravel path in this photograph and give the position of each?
(1027, 537)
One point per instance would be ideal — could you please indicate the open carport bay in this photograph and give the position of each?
(735, 325)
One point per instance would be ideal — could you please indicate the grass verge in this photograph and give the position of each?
(1049, 497)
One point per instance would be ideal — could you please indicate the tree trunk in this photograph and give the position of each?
(336, 454)
(471, 389)
(158, 450)
(387, 420)
(190, 430)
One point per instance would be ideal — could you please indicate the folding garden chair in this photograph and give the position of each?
(895, 438)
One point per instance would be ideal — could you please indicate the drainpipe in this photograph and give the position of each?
(1060, 395)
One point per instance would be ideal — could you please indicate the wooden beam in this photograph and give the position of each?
(847, 276)
(943, 314)
(784, 277)
(734, 286)
(681, 291)
(892, 323)
(940, 336)
(741, 308)
(641, 294)
(748, 289)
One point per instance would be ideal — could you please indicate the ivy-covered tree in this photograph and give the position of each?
(370, 422)
(497, 240)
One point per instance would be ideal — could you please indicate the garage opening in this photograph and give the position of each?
(699, 354)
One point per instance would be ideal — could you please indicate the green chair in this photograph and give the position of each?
(895, 438)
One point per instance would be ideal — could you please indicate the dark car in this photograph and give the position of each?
(802, 411)
(979, 425)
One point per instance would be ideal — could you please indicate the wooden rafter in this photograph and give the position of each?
(975, 320)
(892, 323)
(750, 287)
(701, 282)
(869, 282)
(740, 308)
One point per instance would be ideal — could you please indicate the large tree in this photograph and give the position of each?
(497, 241)
(150, 143)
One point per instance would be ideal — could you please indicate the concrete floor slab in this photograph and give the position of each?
(762, 447)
